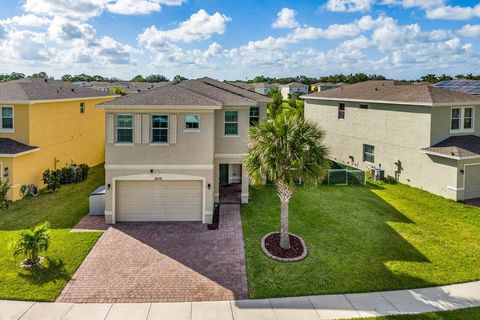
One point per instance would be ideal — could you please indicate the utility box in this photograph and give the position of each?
(97, 202)
(378, 174)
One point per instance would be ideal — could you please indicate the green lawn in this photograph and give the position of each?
(463, 314)
(63, 210)
(362, 238)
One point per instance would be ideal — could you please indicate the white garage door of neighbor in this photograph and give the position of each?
(159, 201)
(472, 182)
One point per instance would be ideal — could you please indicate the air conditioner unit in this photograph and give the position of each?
(378, 174)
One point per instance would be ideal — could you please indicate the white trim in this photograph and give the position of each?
(56, 100)
(163, 176)
(159, 144)
(7, 155)
(225, 122)
(7, 130)
(231, 136)
(191, 130)
(124, 144)
(159, 167)
(159, 129)
(427, 104)
(159, 107)
(116, 129)
(461, 120)
(229, 155)
(443, 155)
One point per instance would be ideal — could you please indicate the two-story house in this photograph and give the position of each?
(424, 136)
(293, 89)
(170, 149)
(47, 124)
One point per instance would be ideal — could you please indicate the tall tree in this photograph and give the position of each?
(286, 149)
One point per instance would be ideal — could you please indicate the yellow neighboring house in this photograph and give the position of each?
(48, 124)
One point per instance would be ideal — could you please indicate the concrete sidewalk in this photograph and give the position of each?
(299, 308)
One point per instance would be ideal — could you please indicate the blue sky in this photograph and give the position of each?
(234, 39)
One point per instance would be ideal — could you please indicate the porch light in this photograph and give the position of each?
(209, 186)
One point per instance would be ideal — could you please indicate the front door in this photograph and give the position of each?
(223, 174)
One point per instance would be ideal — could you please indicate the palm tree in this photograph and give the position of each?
(31, 242)
(286, 149)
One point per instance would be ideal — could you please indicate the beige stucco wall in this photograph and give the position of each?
(191, 147)
(398, 133)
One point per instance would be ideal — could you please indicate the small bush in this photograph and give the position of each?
(4, 187)
(67, 175)
(52, 178)
(82, 172)
(390, 180)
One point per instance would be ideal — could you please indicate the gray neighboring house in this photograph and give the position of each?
(425, 136)
(289, 90)
(129, 87)
(323, 86)
(265, 88)
(169, 149)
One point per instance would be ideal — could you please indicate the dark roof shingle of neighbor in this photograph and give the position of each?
(257, 97)
(9, 146)
(295, 84)
(171, 95)
(458, 146)
(30, 89)
(394, 91)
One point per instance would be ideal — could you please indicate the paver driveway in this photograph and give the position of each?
(158, 262)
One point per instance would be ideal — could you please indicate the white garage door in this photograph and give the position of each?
(159, 201)
(472, 182)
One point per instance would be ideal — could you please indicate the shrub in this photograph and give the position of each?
(82, 172)
(31, 243)
(4, 187)
(51, 178)
(67, 175)
(390, 180)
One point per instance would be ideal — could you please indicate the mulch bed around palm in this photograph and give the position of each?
(272, 244)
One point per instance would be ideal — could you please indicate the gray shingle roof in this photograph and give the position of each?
(395, 91)
(200, 92)
(457, 146)
(294, 84)
(29, 89)
(168, 95)
(12, 147)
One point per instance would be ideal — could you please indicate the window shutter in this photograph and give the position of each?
(145, 128)
(173, 129)
(110, 128)
(138, 128)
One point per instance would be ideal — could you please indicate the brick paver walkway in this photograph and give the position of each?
(161, 262)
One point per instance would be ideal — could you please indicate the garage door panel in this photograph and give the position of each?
(472, 182)
(159, 201)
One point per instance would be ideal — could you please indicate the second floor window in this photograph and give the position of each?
(82, 107)
(462, 119)
(341, 111)
(192, 122)
(160, 129)
(254, 116)
(368, 153)
(231, 123)
(7, 118)
(125, 128)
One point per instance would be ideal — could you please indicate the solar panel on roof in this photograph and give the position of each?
(465, 86)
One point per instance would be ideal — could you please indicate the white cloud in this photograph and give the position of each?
(27, 20)
(454, 13)
(79, 10)
(285, 19)
(134, 7)
(199, 26)
(349, 5)
(470, 31)
(63, 31)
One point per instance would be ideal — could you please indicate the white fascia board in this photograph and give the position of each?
(426, 104)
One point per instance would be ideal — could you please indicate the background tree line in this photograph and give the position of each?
(336, 78)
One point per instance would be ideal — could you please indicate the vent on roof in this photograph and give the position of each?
(46, 80)
(376, 89)
(73, 90)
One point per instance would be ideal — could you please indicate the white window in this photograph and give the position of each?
(462, 119)
(7, 118)
(82, 107)
(341, 111)
(124, 128)
(231, 123)
(192, 122)
(368, 153)
(160, 129)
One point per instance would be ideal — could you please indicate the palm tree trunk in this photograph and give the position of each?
(284, 193)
